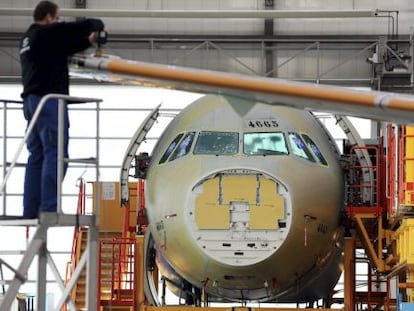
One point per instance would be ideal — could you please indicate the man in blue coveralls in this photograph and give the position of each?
(44, 51)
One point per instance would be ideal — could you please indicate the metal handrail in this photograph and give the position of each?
(3, 189)
(61, 100)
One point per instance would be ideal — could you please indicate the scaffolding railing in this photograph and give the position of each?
(357, 185)
(38, 244)
(5, 108)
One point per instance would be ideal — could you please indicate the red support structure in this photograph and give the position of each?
(356, 186)
(142, 221)
(405, 168)
(125, 227)
(375, 296)
(80, 210)
(129, 223)
(122, 289)
(71, 265)
(401, 168)
(391, 172)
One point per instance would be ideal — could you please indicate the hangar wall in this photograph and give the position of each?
(320, 49)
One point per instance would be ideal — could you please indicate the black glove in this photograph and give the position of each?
(96, 24)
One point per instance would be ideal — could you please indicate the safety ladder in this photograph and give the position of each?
(38, 244)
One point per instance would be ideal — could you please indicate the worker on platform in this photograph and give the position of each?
(44, 51)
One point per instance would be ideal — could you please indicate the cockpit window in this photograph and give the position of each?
(184, 147)
(299, 148)
(273, 143)
(170, 148)
(315, 150)
(217, 143)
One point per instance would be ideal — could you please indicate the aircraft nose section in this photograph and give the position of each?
(251, 210)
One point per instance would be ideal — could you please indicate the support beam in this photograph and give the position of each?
(92, 269)
(406, 285)
(200, 13)
(38, 247)
(349, 273)
(269, 32)
(41, 275)
(369, 247)
(19, 276)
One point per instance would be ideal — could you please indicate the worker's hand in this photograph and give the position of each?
(93, 37)
(98, 37)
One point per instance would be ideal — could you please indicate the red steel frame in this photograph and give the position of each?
(377, 208)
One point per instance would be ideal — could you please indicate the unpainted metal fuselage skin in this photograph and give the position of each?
(242, 226)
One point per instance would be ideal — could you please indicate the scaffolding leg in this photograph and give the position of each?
(41, 278)
(72, 281)
(349, 272)
(36, 245)
(92, 269)
(60, 283)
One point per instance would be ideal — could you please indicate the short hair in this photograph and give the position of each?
(43, 8)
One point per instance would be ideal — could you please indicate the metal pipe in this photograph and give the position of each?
(78, 270)
(394, 21)
(406, 285)
(59, 281)
(97, 177)
(4, 190)
(199, 13)
(60, 153)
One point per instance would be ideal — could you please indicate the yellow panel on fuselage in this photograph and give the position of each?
(265, 205)
(266, 215)
(208, 213)
(239, 189)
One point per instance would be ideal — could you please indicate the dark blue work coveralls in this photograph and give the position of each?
(40, 184)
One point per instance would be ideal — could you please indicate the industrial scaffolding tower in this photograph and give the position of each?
(38, 244)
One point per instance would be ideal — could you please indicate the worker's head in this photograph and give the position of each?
(46, 12)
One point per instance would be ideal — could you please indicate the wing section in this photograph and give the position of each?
(392, 107)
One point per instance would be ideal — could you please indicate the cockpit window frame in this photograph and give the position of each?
(276, 152)
(304, 147)
(236, 144)
(181, 150)
(171, 147)
(320, 159)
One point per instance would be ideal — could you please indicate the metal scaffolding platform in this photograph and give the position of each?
(38, 247)
(45, 221)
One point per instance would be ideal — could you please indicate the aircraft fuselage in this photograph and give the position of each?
(244, 199)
